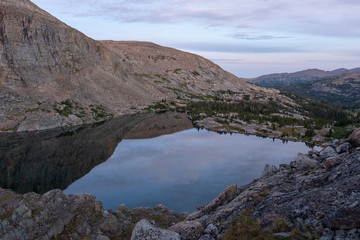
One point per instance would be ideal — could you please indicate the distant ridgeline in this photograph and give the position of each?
(340, 86)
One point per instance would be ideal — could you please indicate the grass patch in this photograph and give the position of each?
(13, 129)
(245, 228)
(280, 225)
(7, 214)
(340, 132)
(195, 73)
(64, 108)
(144, 75)
(228, 128)
(176, 71)
(33, 109)
(99, 112)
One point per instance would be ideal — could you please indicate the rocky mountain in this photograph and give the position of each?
(53, 75)
(341, 89)
(316, 196)
(279, 79)
(344, 89)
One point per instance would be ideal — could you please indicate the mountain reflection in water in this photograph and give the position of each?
(181, 170)
(157, 162)
(46, 160)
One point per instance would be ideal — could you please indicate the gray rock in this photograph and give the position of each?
(109, 224)
(189, 230)
(340, 233)
(283, 234)
(325, 238)
(207, 237)
(313, 153)
(302, 162)
(212, 230)
(331, 162)
(339, 238)
(328, 152)
(354, 138)
(343, 147)
(335, 142)
(145, 231)
(268, 171)
(299, 223)
(353, 234)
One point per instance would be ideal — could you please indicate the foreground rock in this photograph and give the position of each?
(145, 231)
(56, 215)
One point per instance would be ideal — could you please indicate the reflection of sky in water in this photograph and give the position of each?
(181, 170)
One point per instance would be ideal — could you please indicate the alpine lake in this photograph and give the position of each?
(138, 160)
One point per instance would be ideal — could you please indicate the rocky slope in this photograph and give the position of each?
(316, 196)
(52, 75)
(272, 80)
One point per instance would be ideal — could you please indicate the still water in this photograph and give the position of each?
(137, 160)
(181, 170)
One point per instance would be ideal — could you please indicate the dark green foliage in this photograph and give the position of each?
(65, 108)
(100, 112)
(269, 112)
(176, 71)
(310, 133)
(340, 132)
(280, 225)
(195, 73)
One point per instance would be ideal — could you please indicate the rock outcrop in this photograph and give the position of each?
(145, 231)
(56, 215)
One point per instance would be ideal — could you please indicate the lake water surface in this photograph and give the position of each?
(138, 160)
(181, 170)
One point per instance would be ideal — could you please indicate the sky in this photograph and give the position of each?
(246, 38)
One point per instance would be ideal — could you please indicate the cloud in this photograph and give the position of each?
(238, 48)
(317, 17)
(251, 36)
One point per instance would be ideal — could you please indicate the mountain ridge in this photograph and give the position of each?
(52, 75)
(340, 86)
(274, 79)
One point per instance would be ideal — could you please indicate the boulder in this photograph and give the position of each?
(302, 161)
(109, 224)
(343, 147)
(331, 162)
(354, 138)
(268, 171)
(188, 230)
(145, 231)
(328, 152)
(212, 230)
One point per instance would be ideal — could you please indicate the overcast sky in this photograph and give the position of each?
(247, 38)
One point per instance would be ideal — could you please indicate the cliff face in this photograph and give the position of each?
(52, 75)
